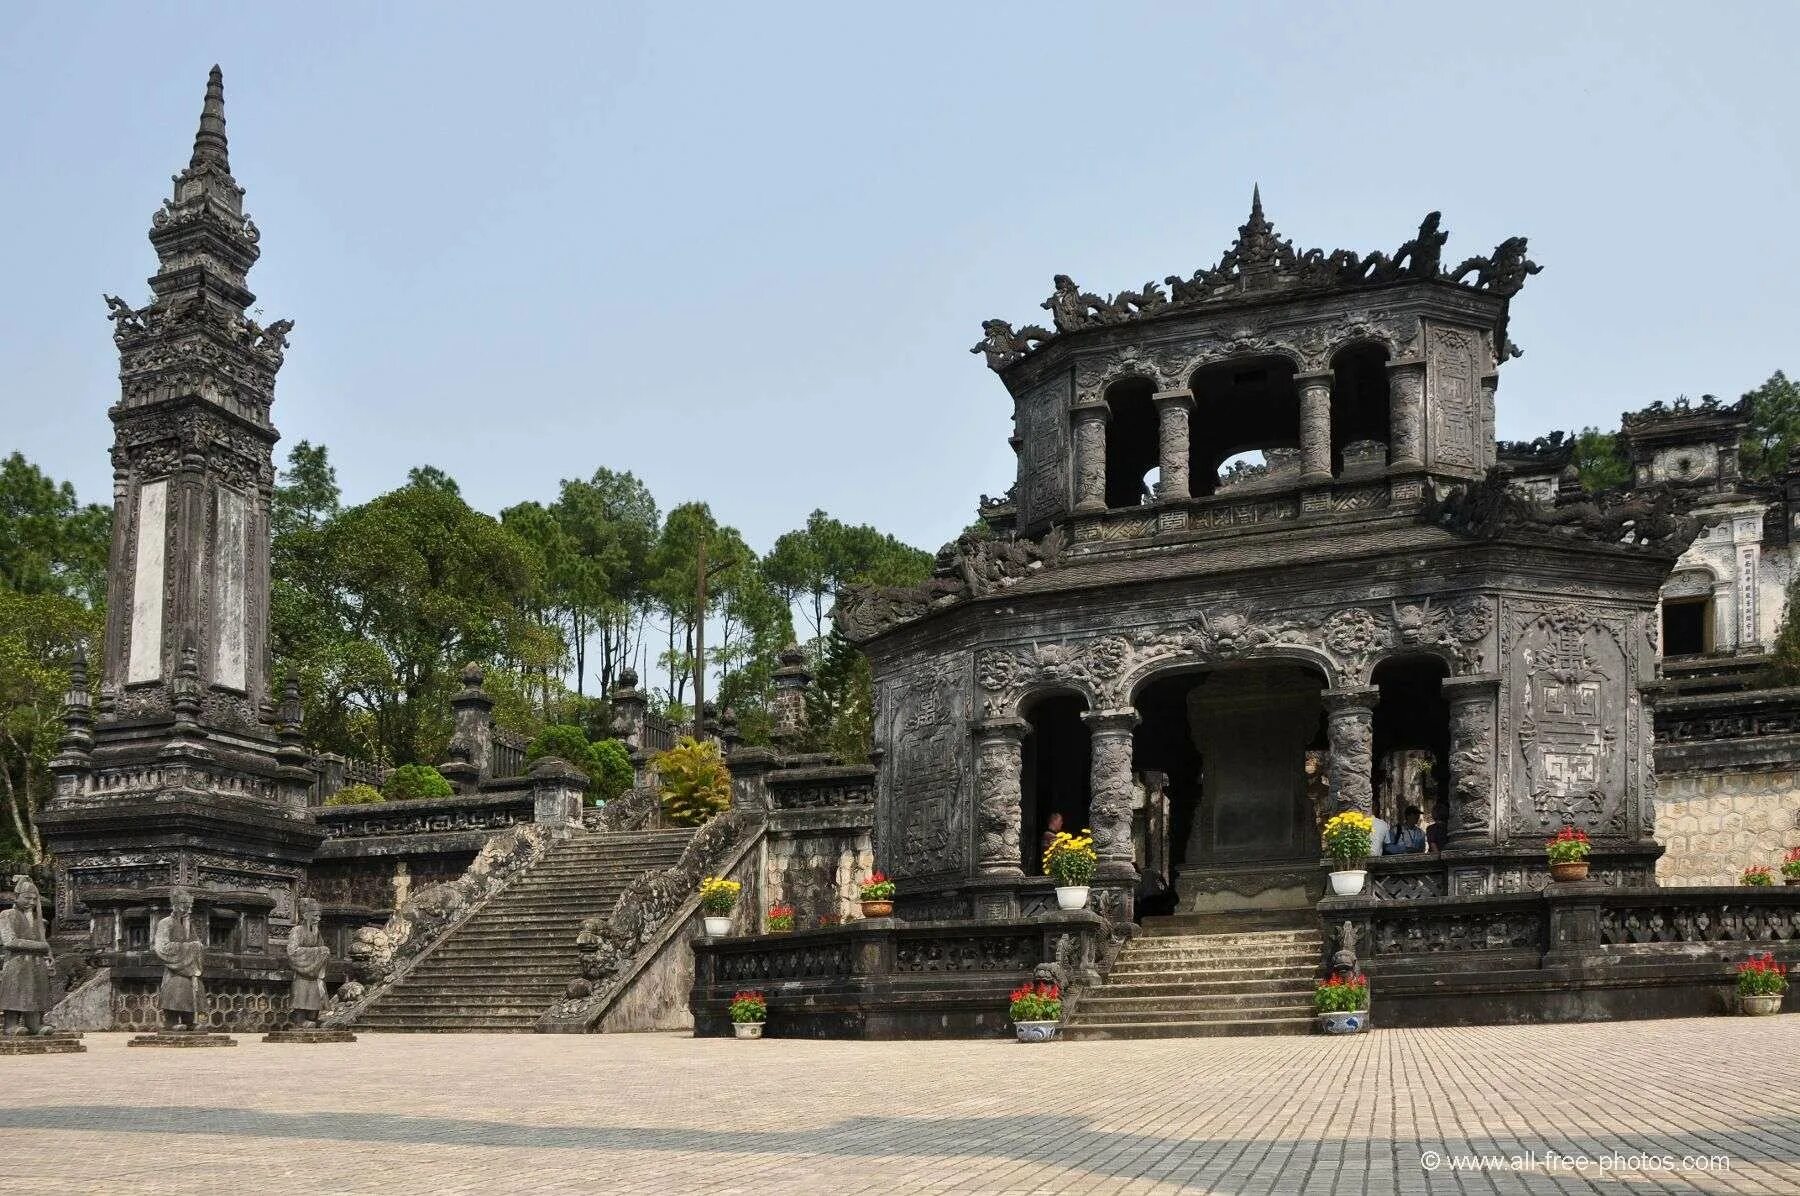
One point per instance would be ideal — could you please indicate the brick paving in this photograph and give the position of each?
(672, 1114)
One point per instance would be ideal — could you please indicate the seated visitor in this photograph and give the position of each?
(1378, 836)
(1439, 828)
(1051, 828)
(1409, 837)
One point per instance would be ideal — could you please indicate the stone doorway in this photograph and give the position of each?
(1234, 744)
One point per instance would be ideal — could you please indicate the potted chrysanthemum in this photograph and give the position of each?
(1036, 1011)
(1347, 838)
(717, 897)
(1568, 855)
(1071, 860)
(1761, 984)
(749, 1010)
(877, 896)
(1342, 1003)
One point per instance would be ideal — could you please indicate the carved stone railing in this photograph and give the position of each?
(487, 811)
(1708, 732)
(615, 948)
(1735, 916)
(381, 956)
(1236, 507)
(881, 978)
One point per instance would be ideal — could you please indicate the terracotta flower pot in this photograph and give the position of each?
(877, 909)
(1569, 870)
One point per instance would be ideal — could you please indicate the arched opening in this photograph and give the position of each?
(1238, 746)
(1244, 408)
(1132, 443)
(1056, 764)
(1359, 410)
(1412, 742)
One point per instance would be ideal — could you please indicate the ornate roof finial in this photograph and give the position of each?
(1256, 212)
(209, 142)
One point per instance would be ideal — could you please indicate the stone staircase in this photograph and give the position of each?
(512, 960)
(1169, 984)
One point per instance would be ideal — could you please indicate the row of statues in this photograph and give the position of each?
(176, 941)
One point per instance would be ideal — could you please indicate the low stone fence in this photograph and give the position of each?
(1570, 952)
(493, 809)
(879, 978)
(1727, 783)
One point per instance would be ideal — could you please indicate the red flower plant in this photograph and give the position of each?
(1761, 976)
(1568, 846)
(1036, 1003)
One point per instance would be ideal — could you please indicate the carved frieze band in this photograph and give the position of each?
(1345, 642)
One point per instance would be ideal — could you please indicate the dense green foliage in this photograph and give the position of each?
(1599, 460)
(1774, 427)
(695, 783)
(607, 763)
(411, 781)
(355, 795)
(612, 774)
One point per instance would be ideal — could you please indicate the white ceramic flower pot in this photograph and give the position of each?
(747, 1029)
(1071, 896)
(1035, 1031)
(718, 927)
(1348, 883)
(1759, 1005)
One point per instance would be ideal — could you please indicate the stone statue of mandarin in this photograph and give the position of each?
(307, 954)
(25, 977)
(183, 952)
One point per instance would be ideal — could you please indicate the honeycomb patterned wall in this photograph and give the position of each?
(230, 1005)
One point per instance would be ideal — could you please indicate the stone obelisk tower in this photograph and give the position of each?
(185, 769)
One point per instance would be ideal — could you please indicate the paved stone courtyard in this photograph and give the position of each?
(1709, 1104)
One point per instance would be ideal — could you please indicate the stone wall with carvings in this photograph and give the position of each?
(1713, 825)
(923, 715)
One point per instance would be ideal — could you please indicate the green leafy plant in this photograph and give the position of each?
(411, 781)
(877, 888)
(1757, 876)
(1036, 1003)
(607, 762)
(1570, 846)
(1761, 976)
(695, 782)
(1341, 994)
(1071, 858)
(1790, 864)
(612, 775)
(355, 795)
(749, 1007)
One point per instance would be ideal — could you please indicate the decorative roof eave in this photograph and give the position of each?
(1258, 266)
(1683, 416)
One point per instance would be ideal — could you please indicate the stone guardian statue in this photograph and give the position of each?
(308, 955)
(25, 977)
(183, 952)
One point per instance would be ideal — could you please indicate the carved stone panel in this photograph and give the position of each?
(1044, 448)
(922, 723)
(1453, 386)
(1567, 730)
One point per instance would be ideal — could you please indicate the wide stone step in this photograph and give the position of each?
(1175, 947)
(1211, 971)
(1298, 981)
(1194, 1029)
(436, 1025)
(1197, 1011)
(1100, 1002)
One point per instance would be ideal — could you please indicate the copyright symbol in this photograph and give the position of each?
(1430, 1160)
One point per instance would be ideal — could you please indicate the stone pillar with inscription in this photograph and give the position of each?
(1315, 427)
(999, 764)
(1350, 715)
(1174, 409)
(1109, 795)
(1473, 703)
(1090, 456)
(190, 772)
(1406, 414)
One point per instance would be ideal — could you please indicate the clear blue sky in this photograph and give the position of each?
(742, 250)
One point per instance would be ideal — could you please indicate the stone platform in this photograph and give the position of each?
(41, 1044)
(309, 1034)
(183, 1039)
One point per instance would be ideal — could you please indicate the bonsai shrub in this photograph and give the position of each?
(1790, 864)
(1761, 976)
(1070, 858)
(877, 888)
(1036, 1003)
(1757, 876)
(1570, 846)
(781, 918)
(355, 795)
(1341, 994)
(415, 780)
(717, 896)
(749, 1007)
(1347, 837)
(695, 783)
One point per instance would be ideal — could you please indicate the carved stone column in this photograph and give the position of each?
(998, 771)
(1406, 414)
(1473, 704)
(1315, 427)
(1173, 409)
(1109, 791)
(1350, 717)
(1090, 456)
